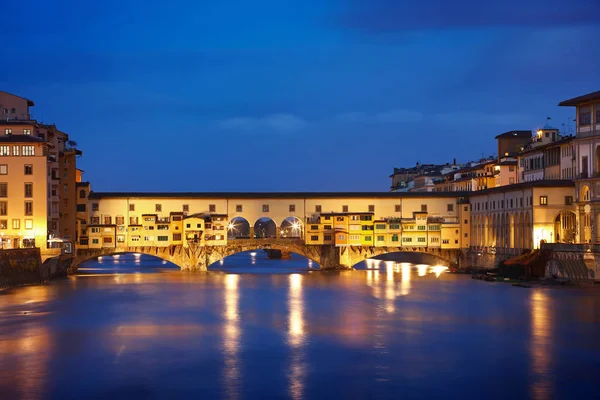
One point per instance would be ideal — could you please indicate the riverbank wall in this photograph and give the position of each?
(25, 267)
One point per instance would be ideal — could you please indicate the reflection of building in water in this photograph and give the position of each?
(541, 333)
(231, 336)
(31, 349)
(296, 336)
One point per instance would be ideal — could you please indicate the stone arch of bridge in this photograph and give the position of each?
(446, 257)
(313, 253)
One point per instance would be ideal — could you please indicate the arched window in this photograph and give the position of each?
(82, 194)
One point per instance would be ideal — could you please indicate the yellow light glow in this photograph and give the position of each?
(438, 269)
(422, 269)
(296, 317)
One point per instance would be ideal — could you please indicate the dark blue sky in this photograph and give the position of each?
(292, 95)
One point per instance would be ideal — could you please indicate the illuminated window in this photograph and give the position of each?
(421, 240)
(16, 224)
(4, 150)
(28, 224)
(28, 150)
(3, 224)
(3, 169)
(15, 150)
(26, 131)
(543, 200)
(8, 131)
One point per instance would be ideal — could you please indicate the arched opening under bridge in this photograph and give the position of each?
(124, 263)
(259, 261)
(415, 258)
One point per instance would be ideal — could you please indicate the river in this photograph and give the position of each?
(133, 327)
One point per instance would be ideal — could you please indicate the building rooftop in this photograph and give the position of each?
(18, 122)
(521, 133)
(525, 185)
(29, 102)
(581, 99)
(267, 195)
(530, 148)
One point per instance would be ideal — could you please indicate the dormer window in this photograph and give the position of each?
(8, 131)
(26, 131)
(585, 115)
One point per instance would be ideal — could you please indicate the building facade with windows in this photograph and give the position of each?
(586, 146)
(24, 140)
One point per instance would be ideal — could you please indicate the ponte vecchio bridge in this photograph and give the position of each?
(336, 230)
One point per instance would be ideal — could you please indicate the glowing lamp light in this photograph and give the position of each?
(295, 226)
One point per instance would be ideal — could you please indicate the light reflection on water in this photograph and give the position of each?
(391, 328)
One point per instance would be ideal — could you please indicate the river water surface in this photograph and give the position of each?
(133, 327)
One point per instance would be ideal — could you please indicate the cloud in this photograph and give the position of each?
(381, 16)
(280, 123)
(475, 118)
(393, 116)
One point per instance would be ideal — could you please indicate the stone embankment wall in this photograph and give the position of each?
(24, 266)
(20, 267)
(484, 259)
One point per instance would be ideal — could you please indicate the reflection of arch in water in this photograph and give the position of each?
(291, 227)
(238, 228)
(265, 227)
(564, 227)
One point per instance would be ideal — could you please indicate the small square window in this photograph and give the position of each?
(158, 207)
(28, 224)
(239, 208)
(466, 208)
(344, 208)
(3, 169)
(318, 209)
(543, 200)
(450, 207)
(212, 208)
(568, 200)
(186, 208)
(292, 208)
(371, 208)
(398, 208)
(28, 169)
(95, 207)
(265, 208)
(131, 207)
(423, 207)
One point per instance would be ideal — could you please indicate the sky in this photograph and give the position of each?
(296, 95)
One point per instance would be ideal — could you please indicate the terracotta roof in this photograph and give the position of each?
(581, 99)
(521, 133)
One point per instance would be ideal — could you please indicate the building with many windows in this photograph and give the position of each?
(49, 190)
